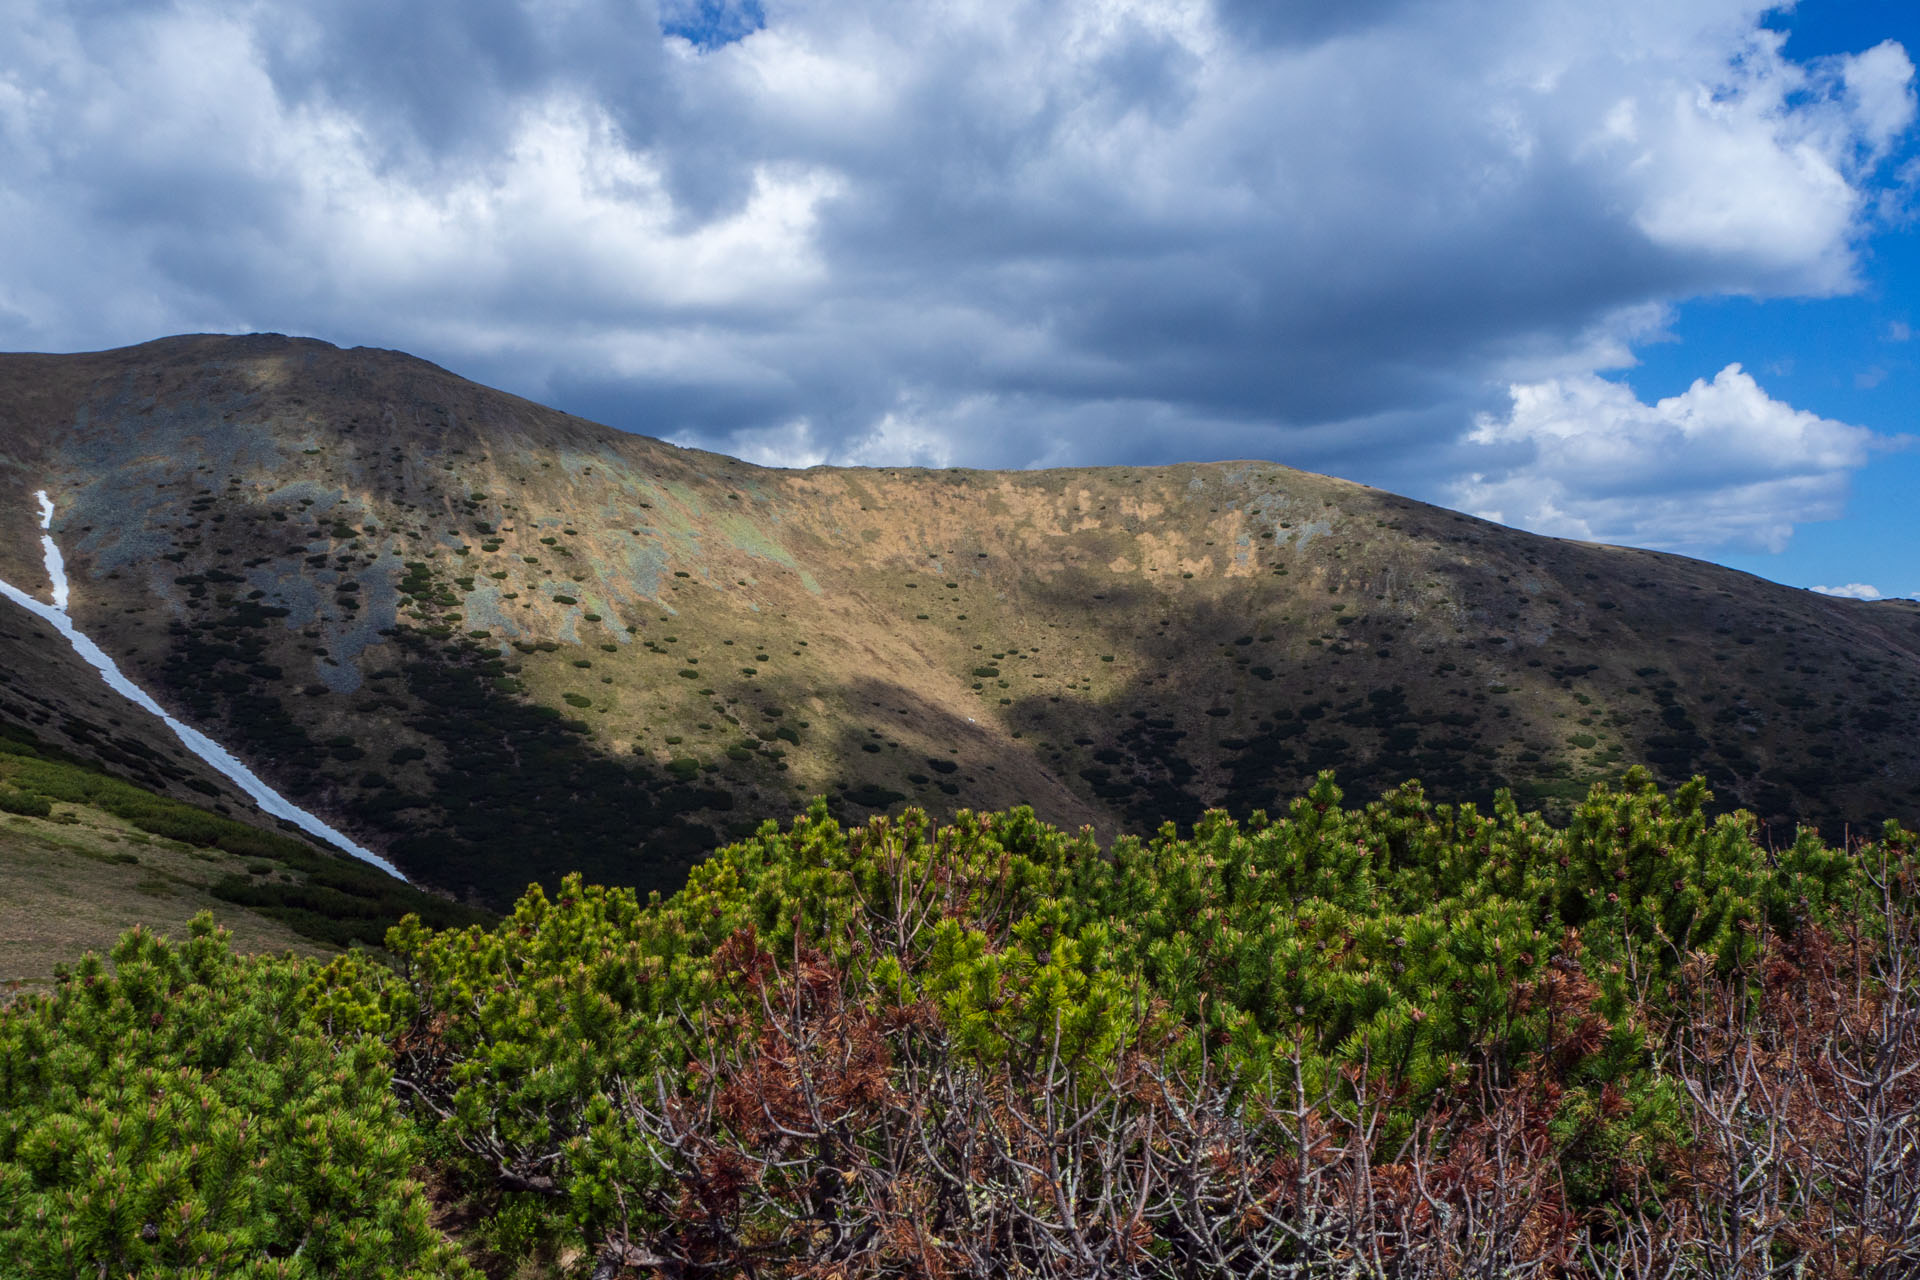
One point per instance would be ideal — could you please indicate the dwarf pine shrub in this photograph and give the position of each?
(177, 1110)
(899, 1024)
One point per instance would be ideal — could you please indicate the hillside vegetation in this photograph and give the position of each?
(1409, 1039)
(84, 855)
(498, 643)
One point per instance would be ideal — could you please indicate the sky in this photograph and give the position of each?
(1644, 272)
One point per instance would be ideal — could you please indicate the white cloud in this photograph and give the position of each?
(791, 444)
(897, 442)
(1852, 591)
(999, 232)
(1721, 464)
(1879, 94)
(1726, 168)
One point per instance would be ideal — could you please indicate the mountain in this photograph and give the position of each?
(498, 643)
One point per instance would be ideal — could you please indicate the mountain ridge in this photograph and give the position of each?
(339, 557)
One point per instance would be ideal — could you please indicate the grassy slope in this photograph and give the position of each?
(76, 878)
(502, 642)
(85, 855)
(75, 881)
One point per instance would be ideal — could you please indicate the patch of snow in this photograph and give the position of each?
(56, 563)
(269, 800)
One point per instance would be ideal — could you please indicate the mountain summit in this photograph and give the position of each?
(498, 643)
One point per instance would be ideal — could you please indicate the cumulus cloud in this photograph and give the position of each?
(985, 233)
(1852, 591)
(1720, 465)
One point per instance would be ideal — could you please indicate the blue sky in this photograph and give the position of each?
(1638, 272)
(1855, 357)
(1841, 358)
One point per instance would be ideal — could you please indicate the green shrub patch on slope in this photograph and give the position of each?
(1434, 944)
(177, 1110)
(993, 1047)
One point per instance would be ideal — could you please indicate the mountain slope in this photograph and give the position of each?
(498, 642)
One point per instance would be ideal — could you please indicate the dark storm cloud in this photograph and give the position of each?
(992, 234)
(437, 77)
(664, 408)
